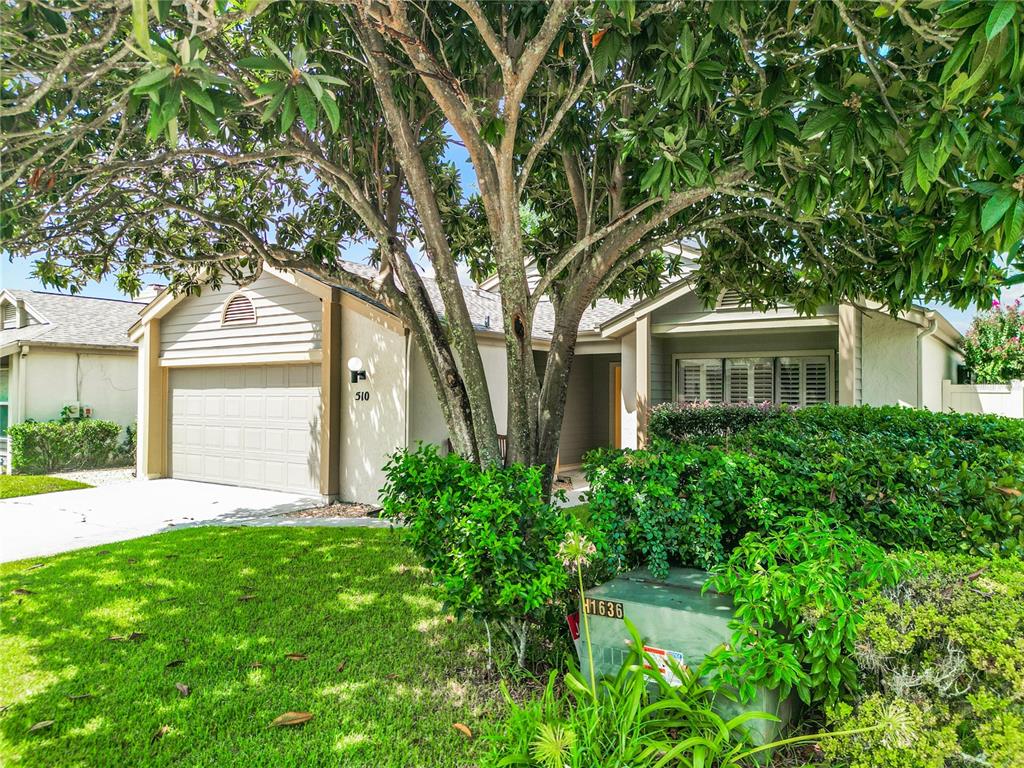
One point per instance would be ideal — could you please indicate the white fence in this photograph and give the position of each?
(998, 399)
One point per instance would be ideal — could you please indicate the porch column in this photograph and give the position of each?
(643, 378)
(330, 394)
(849, 354)
(151, 450)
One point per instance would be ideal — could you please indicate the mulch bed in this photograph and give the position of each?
(339, 509)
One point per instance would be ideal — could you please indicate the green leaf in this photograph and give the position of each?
(198, 96)
(331, 110)
(299, 55)
(151, 78)
(995, 208)
(307, 107)
(272, 106)
(263, 62)
(1002, 13)
(820, 123)
(140, 25)
(287, 111)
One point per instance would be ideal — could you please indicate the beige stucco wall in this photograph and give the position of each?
(889, 358)
(375, 427)
(288, 322)
(53, 377)
(938, 363)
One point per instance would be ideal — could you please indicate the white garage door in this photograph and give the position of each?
(256, 426)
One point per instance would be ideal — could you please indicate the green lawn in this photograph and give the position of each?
(218, 610)
(29, 485)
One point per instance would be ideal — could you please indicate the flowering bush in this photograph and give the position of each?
(993, 350)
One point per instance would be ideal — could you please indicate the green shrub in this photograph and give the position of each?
(635, 718)
(947, 645)
(677, 422)
(797, 592)
(993, 347)
(904, 479)
(48, 446)
(487, 536)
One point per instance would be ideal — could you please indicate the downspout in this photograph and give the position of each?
(933, 324)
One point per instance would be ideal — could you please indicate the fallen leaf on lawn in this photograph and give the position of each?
(136, 636)
(174, 663)
(132, 560)
(20, 591)
(341, 667)
(246, 598)
(255, 665)
(292, 718)
(41, 725)
(1009, 491)
(103, 552)
(33, 567)
(80, 696)
(295, 656)
(162, 731)
(182, 689)
(392, 676)
(116, 638)
(463, 729)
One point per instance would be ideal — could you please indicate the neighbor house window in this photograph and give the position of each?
(239, 311)
(793, 380)
(5, 383)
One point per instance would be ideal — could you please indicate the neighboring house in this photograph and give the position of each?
(59, 351)
(251, 385)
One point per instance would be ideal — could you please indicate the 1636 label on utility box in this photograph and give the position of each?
(609, 609)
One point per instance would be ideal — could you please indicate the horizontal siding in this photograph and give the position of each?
(661, 371)
(287, 322)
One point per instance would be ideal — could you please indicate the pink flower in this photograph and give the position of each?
(995, 303)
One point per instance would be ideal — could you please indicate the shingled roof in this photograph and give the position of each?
(73, 321)
(485, 306)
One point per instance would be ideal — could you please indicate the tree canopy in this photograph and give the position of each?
(816, 152)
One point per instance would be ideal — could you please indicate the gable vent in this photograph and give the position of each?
(239, 311)
(10, 316)
(731, 300)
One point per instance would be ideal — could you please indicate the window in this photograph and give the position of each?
(5, 383)
(239, 311)
(794, 380)
(699, 380)
(9, 316)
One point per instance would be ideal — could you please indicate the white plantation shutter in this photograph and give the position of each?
(803, 380)
(750, 380)
(698, 380)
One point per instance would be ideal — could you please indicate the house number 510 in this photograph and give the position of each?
(362, 396)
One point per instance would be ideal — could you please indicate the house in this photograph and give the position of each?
(61, 351)
(252, 385)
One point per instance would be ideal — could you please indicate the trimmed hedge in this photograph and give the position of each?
(677, 422)
(904, 479)
(49, 446)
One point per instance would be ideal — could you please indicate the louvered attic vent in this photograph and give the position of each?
(239, 311)
(10, 316)
(731, 300)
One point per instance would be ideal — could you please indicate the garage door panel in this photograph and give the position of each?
(253, 425)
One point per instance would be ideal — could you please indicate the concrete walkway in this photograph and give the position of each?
(48, 523)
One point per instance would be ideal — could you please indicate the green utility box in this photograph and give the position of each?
(675, 620)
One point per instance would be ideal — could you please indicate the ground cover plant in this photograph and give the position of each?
(944, 651)
(181, 649)
(12, 486)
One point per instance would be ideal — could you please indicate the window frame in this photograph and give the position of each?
(774, 355)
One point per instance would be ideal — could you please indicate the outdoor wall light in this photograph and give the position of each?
(355, 367)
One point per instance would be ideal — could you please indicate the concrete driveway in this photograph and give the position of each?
(49, 523)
